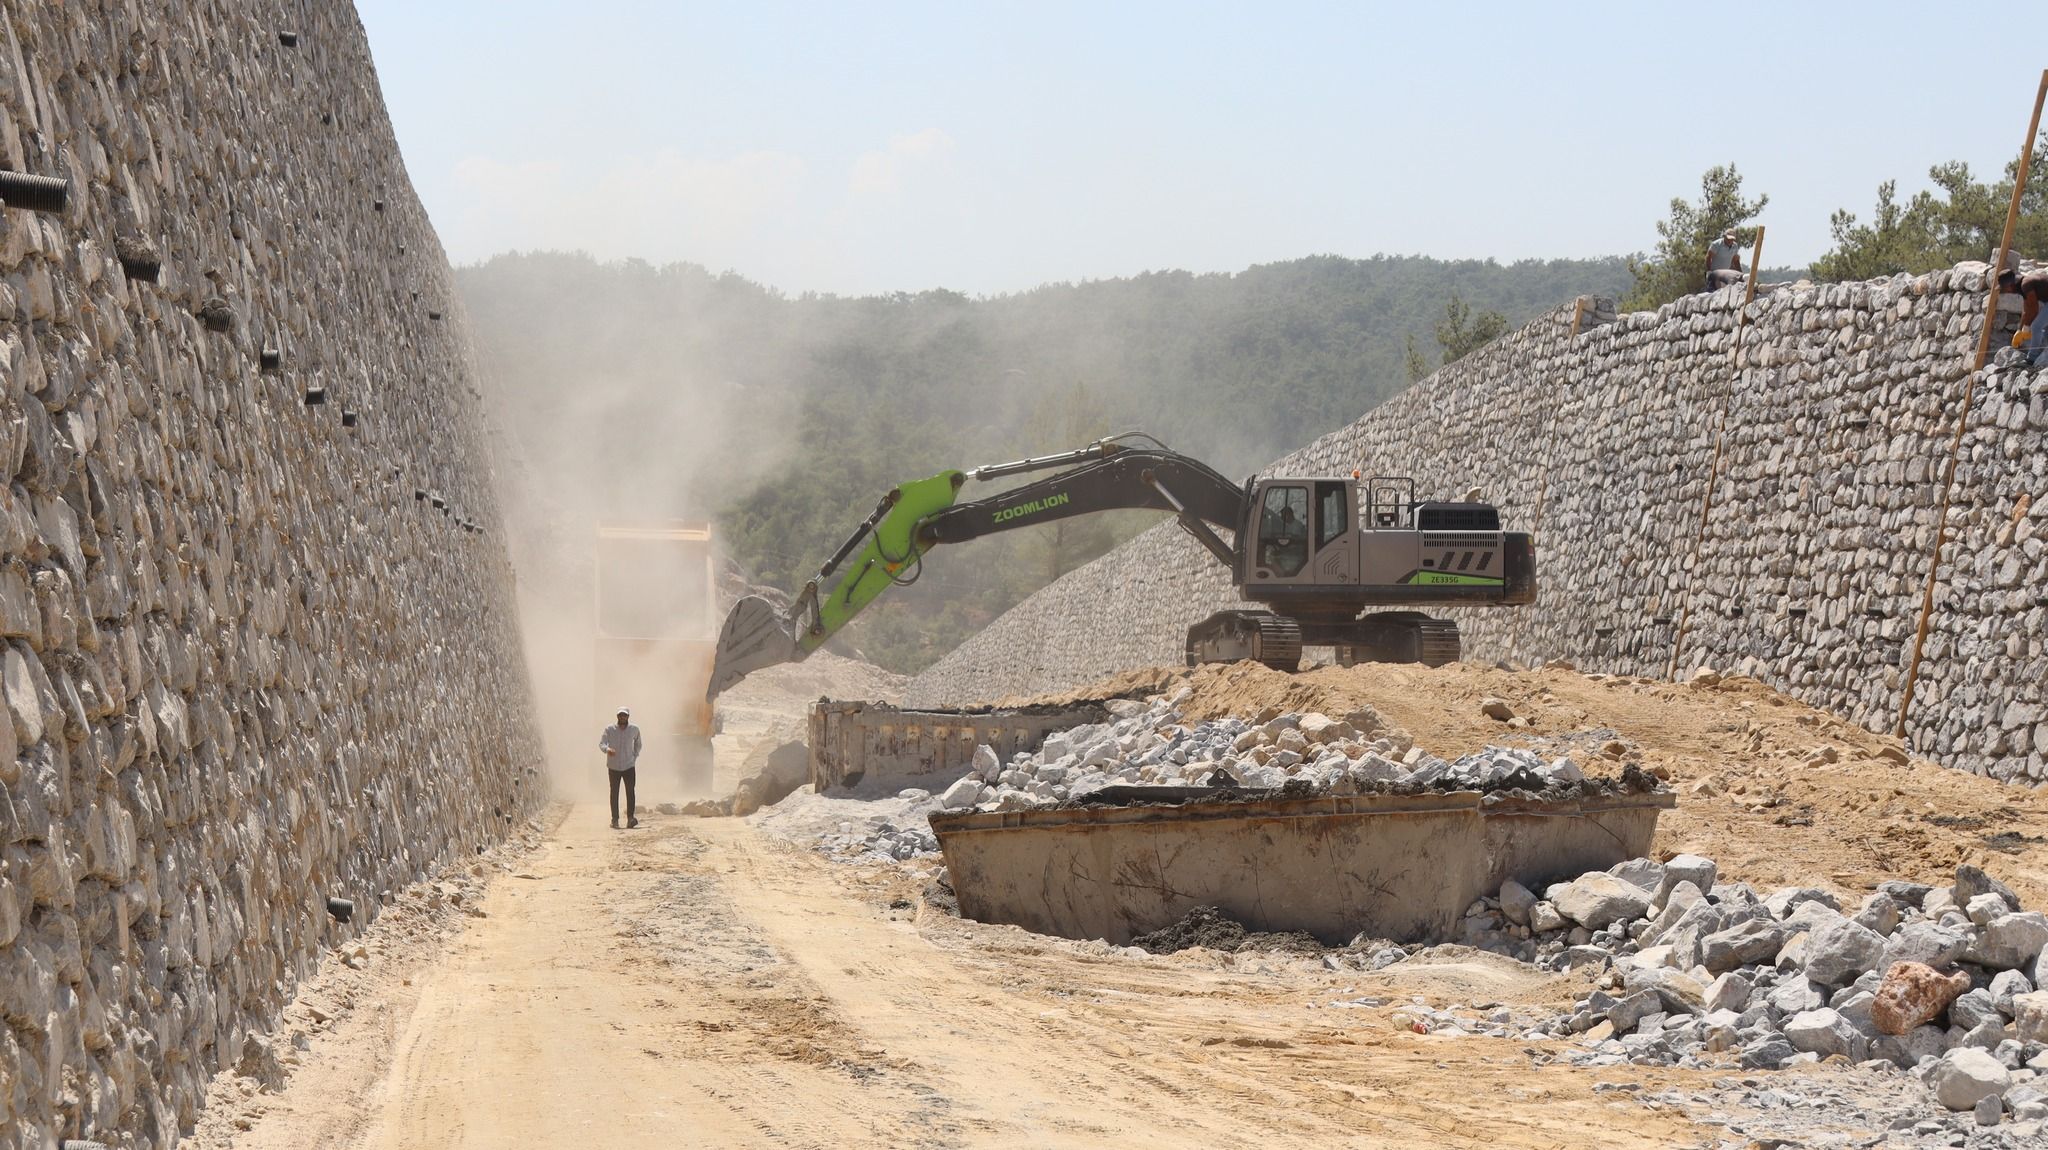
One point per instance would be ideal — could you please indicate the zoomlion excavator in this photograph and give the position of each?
(1315, 552)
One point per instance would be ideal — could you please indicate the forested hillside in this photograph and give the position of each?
(674, 392)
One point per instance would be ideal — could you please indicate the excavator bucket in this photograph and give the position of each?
(755, 635)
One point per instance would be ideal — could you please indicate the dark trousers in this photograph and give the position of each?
(626, 776)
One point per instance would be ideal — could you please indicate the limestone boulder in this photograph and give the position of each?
(1321, 729)
(1926, 943)
(1783, 902)
(1824, 1032)
(1729, 992)
(1974, 1008)
(2010, 941)
(1684, 868)
(1750, 941)
(1597, 899)
(1839, 951)
(2030, 1016)
(1966, 1076)
(777, 772)
(1516, 901)
(1972, 881)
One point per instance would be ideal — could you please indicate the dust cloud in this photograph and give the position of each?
(625, 439)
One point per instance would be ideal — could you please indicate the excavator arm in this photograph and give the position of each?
(888, 548)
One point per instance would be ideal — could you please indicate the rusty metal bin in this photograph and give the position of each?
(1392, 866)
(880, 748)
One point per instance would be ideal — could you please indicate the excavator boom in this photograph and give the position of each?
(889, 546)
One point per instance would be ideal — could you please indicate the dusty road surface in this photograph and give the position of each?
(703, 983)
(696, 983)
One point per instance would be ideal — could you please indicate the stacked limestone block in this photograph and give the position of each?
(244, 668)
(1834, 425)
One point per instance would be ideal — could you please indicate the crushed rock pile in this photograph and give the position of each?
(1149, 743)
(850, 829)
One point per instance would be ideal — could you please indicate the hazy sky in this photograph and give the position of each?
(990, 147)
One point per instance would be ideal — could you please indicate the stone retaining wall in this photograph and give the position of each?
(244, 667)
(1807, 571)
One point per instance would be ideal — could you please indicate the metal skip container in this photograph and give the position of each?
(1398, 866)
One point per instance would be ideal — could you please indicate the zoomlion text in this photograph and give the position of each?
(1032, 508)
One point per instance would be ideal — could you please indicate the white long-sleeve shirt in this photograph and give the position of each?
(624, 743)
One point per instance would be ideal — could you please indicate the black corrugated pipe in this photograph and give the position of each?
(34, 193)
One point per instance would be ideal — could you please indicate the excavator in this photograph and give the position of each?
(1314, 552)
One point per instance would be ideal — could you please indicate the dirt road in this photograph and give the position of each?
(696, 983)
(700, 982)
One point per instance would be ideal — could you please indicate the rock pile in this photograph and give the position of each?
(892, 827)
(1939, 980)
(1148, 744)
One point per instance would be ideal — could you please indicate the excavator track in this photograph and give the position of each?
(1397, 637)
(1440, 643)
(1261, 636)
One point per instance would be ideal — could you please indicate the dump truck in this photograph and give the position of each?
(657, 619)
(1315, 553)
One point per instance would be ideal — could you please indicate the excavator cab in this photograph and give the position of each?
(1283, 529)
(1306, 533)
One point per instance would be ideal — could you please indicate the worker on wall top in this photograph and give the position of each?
(2032, 337)
(1724, 262)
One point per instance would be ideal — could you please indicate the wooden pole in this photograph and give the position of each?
(1578, 314)
(1948, 478)
(1714, 471)
(1756, 269)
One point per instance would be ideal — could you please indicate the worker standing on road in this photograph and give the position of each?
(2032, 337)
(621, 746)
(1724, 262)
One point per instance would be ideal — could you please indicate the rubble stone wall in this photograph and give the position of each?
(244, 668)
(1806, 571)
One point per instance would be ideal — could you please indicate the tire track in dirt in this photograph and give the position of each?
(1047, 1042)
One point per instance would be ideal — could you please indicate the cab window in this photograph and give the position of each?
(1333, 517)
(1283, 530)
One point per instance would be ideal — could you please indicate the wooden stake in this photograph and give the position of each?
(1714, 471)
(1578, 314)
(1948, 478)
(1756, 269)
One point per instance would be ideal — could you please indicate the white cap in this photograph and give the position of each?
(626, 711)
